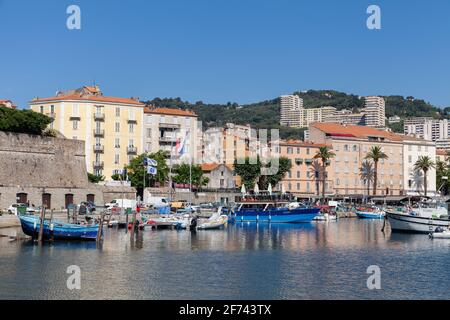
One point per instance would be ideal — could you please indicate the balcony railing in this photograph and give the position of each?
(99, 148)
(131, 150)
(99, 132)
(168, 139)
(99, 116)
(132, 121)
(169, 125)
(98, 164)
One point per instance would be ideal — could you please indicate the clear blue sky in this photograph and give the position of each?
(225, 50)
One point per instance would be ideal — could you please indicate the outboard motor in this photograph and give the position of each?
(193, 225)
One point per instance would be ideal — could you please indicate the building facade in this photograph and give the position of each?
(304, 179)
(220, 176)
(396, 175)
(291, 106)
(375, 112)
(111, 127)
(164, 128)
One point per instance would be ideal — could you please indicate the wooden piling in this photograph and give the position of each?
(51, 226)
(100, 227)
(41, 227)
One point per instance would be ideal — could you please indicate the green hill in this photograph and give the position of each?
(266, 114)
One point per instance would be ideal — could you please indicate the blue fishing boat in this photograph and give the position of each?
(273, 210)
(370, 213)
(58, 230)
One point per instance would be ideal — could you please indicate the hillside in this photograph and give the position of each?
(266, 114)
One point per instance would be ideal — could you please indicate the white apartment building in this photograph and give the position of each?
(375, 113)
(428, 128)
(163, 127)
(413, 181)
(291, 106)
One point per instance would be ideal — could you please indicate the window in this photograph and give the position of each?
(117, 112)
(409, 159)
(355, 148)
(131, 143)
(52, 109)
(75, 124)
(298, 150)
(117, 126)
(338, 181)
(117, 159)
(74, 110)
(117, 143)
(346, 147)
(298, 186)
(131, 127)
(42, 109)
(307, 151)
(298, 174)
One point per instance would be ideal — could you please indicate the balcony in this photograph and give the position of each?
(99, 116)
(98, 164)
(99, 148)
(132, 121)
(74, 117)
(99, 133)
(173, 126)
(131, 150)
(168, 139)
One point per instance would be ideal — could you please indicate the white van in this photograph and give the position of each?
(125, 203)
(157, 201)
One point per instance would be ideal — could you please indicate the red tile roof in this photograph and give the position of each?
(364, 132)
(300, 143)
(93, 98)
(213, 166)
(170, 111)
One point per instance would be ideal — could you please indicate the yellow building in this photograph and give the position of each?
(110, 126)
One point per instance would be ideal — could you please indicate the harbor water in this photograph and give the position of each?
(246, 261)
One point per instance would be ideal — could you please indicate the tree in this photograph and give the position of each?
(250, 172)
(325, 155)
(183, 173)
(95, 178)
(367, 174)
(136, 170)
(376, 154)
(23, 121)
(442, 171)
(424, 164)
(315, 170)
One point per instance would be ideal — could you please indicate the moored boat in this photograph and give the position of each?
(58, 230)
(273, 209)
(424, 217)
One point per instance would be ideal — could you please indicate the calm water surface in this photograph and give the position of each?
(247, 261)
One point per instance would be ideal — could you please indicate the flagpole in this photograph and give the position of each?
(143, 190)
(170, 172)
(190, 179)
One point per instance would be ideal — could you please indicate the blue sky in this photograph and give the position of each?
(220, 51)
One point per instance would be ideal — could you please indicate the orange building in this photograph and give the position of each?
(304, 178)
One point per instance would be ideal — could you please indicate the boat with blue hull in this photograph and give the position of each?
(58, 230)
(273, 210)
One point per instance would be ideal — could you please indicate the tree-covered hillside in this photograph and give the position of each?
(266, 114)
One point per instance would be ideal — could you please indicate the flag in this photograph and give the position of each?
(181, 145)
(152, 170)
(150, 162)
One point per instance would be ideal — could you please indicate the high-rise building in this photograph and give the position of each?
(375, 113)
(111, 127)
(427, 128)
(291, 106)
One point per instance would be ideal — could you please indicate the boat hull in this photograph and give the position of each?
(277, 216)
(61, 231)
(369, 215)
(413, 224)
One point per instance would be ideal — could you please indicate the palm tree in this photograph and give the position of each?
(376, 154)
(315, 172)
(424, 164)
(325, 155)
(367, 174)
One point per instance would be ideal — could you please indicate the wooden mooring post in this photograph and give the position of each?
(41, 226)
(100, 227)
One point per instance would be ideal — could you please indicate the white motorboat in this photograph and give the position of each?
(216, 221)
(325, 217)
(440, 234)
(424, 217)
